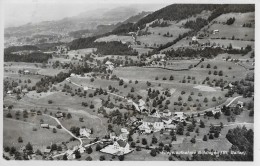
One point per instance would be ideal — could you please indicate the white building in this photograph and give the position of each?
(119, 147)
(84, 132)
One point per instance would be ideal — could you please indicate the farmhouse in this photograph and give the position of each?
(215, 31)
(150, 124)
(109, 63)
(45, 126)
(194, 38)
(179, 116)
(217, 110)
(84, 132)
(59, 115)
(26, 72)
(85, 88)
(154, 114)
(47, 150)
(166, 120)
(240, 104)
(25, 91)
(166, 113)
(124, 134)
(119, 147)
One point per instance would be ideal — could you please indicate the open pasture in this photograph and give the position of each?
(40, 139)
(115, 38)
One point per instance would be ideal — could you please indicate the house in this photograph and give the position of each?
(119, 147)
(124, 134)
(217, 110)
(141, 103)
(215, 31)
(155, 114)
(25, 91)
(158, 126)
(113, 135)
(59, 115)
(179, 116)
(72, 74)
(9, 92)
(81, 149)
(108, 63)
(47, 150)
(85, 88)
(26, 72)
(194, 38)
(166, 120)
(166, 113)
(45, 126)
(133, 119)
(240, 104)
(150, 124)
(84, 132)
(169, 126)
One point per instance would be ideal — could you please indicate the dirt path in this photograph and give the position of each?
(65, 129)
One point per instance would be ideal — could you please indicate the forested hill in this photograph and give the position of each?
(182, 11)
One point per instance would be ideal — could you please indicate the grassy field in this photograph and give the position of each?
(40, 139)
(115, 38)
(235, 29)
(51, 71)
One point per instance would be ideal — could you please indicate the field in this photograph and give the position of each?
(115, 38)
(41, 138)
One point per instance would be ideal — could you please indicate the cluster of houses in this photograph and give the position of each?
(157, 121)
(109, 66)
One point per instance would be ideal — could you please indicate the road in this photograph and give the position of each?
(219, 106)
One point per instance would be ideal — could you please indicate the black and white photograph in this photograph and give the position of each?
(124, 81)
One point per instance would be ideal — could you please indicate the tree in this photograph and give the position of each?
(102, 158)
(144, 141)
(153, 152)
(193, 140)
(20, 140)
(54, 130)
(180, 129)
(29, 147)
(202, 125)
(205, 138)
(98, 147)
(171, 77)
(154, 140)
(50, 101)
(205, 100)
(121, 157)
(89, 158)
(211, 136)
(64, 157)
(69, 116)
(9, 115)
(121, 82)
(77, 154)
(7, 149)
(89, 150)
(54, 147)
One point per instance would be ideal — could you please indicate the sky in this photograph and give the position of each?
(20, 12)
